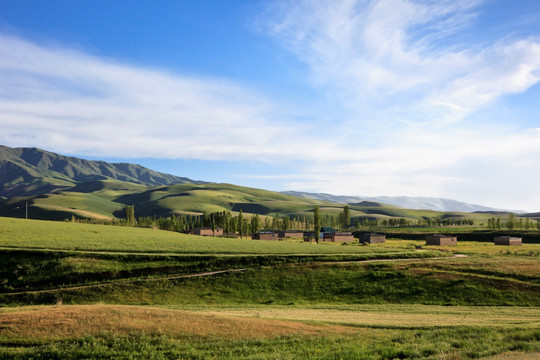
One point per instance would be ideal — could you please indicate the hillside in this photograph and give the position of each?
(71, 290)
(32, 171)
(58, 187)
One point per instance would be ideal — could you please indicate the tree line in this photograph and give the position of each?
(252, 223)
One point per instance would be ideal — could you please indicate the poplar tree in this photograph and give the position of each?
(511, 222)
(130, 215)
(317, 223)
(285, 223)
(255, 223)
(240, 222)
(346, 217)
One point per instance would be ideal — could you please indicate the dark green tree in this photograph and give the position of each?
(285, 223)
(316, 223)
(130, 215)
(511, 222)
(255, 223)
(240, 223)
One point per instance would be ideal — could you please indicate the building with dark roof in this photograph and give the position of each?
(439, 239)
(508, 240)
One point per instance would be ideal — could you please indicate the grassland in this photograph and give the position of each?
(101, 199)
(35, 234)
(74, 291)
(72, 332)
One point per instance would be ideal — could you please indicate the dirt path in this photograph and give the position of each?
(203, 274)
(128, 281)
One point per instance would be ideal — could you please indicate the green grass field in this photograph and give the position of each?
(35, 234)
(100, 199)
(73, 291)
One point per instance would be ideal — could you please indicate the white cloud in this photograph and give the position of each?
(412, 81)
(400, 54)
(69, 101)
(403, 74)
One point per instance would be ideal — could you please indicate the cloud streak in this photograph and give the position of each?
(404, 78)
(73, 102)
(401, 55)
(412, 82)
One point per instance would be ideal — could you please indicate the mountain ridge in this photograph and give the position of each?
(409, 202)
(27, 171)
(64, 184)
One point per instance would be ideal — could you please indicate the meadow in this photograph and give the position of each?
(70, 291)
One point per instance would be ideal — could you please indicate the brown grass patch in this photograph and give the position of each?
(60, 322)
(395, 316)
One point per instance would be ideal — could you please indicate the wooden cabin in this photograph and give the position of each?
(508, 240)
(207, 231)
(291, 234)
(265, 235)
(338, 237)
(438, 239)
(372, 238)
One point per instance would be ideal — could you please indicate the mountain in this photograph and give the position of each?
(32, 171)
(57, 187)
(408, 202)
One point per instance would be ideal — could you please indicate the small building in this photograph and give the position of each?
(338, 237)
(438, 239)
(372, 238)
(291, 234)
(508, 240)
(207, 231)
(265, 235)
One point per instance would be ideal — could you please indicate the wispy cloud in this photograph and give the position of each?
(70, 101)
(404, 78)
(412, 81)
(404, 55)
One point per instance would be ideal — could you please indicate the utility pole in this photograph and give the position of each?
(26, 209)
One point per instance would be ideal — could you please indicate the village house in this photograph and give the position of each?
(207, 231)
(372, 238)
(439, 239)
(338, 237)
(508, 240)
(291, 234)
(265, 235)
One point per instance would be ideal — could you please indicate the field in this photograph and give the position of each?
(74, 291)
(106, 199)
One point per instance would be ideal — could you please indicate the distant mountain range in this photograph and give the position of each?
(32, 171)
(58, 187)
(408, 202)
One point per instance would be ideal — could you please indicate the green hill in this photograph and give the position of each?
(57, 187)
(32, 171)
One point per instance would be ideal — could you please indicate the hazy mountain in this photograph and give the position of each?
(408, 202)
(32, 171)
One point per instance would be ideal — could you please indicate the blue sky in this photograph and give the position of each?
(352, 97)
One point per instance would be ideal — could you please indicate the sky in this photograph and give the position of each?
(347, 97)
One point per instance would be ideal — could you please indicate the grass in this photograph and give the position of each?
(104, 332)
(393, 316)
(472, 248)
(34, 270)
(36, 234)
(402, 282)
(119, 293)
(106, 198)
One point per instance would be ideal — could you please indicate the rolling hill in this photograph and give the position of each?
(57, 187)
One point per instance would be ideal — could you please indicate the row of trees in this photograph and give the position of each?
(342, 221)
(512, 223)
